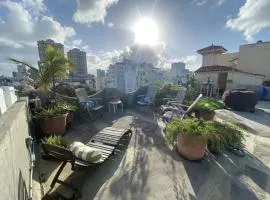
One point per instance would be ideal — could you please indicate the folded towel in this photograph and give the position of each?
(84, 152)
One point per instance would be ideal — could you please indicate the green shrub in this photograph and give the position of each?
(225, 134)
(166, 91)
(190, 126)
(57, 140)
(51, 111)
(219, 135)
(208, 104)
(67, 106)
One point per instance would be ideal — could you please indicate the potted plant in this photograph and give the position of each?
(225, 136)
(191, 135)
(57, 140)
(52, 120)
(205, 108)
(69, 108)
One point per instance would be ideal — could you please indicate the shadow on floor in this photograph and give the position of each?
(260, 116)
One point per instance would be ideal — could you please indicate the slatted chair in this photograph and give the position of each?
(179, 113)
(173, 104)
(91, 105)
(105, 141)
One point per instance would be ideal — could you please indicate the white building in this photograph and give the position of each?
(43, 44)
(179, 72)
(101, 79)
(224, 70)
(122, 75)
(78, 59)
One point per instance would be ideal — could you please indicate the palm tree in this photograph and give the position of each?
(55, 65)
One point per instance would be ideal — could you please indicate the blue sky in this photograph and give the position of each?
(103, 28)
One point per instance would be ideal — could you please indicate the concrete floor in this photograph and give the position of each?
(145, 168)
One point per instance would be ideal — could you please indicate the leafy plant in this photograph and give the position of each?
(54, 65)
(66, 106)
(51, 112)
(220, 135)
(190, 126)
(208, 105)
(225, 134)
(166, 91)
(57, 140)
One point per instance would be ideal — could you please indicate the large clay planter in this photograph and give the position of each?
(192, 148)
(70, 118)
(205, 115)
(54, 125)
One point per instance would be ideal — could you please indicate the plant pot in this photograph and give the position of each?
(70, 118)
(192, 148)
(207, 115)
(54, 125)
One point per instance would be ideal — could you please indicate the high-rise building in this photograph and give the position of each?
(15, 74)
(42, 45)
(100, 83)
(78, 59)
(22, 72)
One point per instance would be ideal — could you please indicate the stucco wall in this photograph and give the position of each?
(243, 79)
(255, 58)
(225, 59)
(14, 156)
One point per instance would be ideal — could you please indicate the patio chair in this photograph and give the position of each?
(91, 105)
(105, 141)
(173, 104)
(179, 113)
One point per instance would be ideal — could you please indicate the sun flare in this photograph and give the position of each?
(146, 31)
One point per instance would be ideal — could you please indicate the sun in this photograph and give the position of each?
(146, 31)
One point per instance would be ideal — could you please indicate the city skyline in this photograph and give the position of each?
(103, 29)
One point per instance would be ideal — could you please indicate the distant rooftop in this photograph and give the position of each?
(220, 68)
(212, 48)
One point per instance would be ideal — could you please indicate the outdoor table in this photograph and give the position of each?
(115, 105)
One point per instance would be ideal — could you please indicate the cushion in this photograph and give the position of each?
(84, 152)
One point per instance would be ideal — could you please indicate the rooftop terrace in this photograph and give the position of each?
(146, 168)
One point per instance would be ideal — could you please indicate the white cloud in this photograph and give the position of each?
(89, 11)
(110, 24)
(193, 62)
(252, 17)
(20, 30)
(204, 2)
(34, 6)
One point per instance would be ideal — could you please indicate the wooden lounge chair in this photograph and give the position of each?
(104, 141)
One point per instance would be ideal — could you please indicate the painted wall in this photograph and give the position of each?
(225, 59)
(209, 59)
(255, 58)
(242, 79)
(219, 59)
(3, 107)
(14, 155)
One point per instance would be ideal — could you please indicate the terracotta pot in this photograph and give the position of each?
(70, 117)
(207, 116)
(192, 148)
(54, 125)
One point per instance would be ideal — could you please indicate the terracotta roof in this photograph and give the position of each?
(211, 48)
(220, 68)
